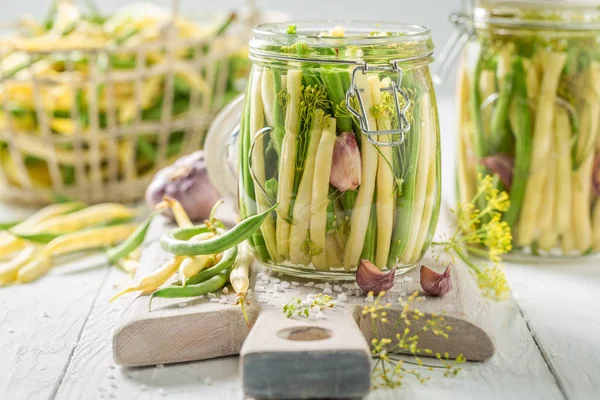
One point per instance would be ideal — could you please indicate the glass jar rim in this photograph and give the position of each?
(410, 41)
(537, 15)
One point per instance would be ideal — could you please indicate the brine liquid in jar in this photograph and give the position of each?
(340, 129)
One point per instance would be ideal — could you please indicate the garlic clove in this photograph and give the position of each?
(346, 167)
(434, 283)
(501, 165)
(371, 279)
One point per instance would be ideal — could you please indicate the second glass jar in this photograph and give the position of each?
(529, 113)
(340, 129)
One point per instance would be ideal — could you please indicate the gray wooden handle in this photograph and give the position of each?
(285, 358)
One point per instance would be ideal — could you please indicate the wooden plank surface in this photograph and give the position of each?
(561, 304)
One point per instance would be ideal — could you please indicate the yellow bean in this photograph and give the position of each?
(89, 239)
(92, 215)
(153, 280)
(69, 243)
(35, 268)
(192, 265)
(177, 209)
(9, 270)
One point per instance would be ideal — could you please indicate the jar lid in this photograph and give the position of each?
(352, 41)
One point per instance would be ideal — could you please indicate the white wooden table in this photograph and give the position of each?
(55, 338)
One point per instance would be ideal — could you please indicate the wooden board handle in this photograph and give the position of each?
(284, 358)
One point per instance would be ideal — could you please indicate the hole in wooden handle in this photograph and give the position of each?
(305, 333)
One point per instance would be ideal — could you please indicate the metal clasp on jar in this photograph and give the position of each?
(395, 88)
(463, 31)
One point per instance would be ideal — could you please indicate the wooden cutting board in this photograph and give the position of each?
(327, 354)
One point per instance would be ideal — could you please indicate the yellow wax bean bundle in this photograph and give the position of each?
(287, 168)
(362, 209)
(257, 122)
(319, 195)
(90, 216)
(302, 206)
(466, 173)
(421, 196)
(72, 242)
(385, 179)
(553, 63)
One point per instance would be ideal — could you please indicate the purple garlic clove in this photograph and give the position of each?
(371, 279)
(435, 284)
(346, 167)
(501, 165)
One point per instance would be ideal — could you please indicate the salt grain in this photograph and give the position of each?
(311, 296)
(225, 290)
(223, 301)
(275, 280)
(277, 288)
(211, 295)
(295, 284)
(259, 288)
(285, 285)
(327, 291)
(337, 288)
(309, 284)
(249, 293)
(320, 315)
(342, 297)
(214, 300)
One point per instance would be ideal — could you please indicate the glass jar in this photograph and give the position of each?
(340, 129)
(528, 99)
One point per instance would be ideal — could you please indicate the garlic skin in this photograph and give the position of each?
(346, 166)
(186, 180)
(434, 283)
(501, 165)
(371, 279)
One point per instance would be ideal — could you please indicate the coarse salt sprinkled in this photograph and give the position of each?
(342, 297)
(225, 290)
(309, 284)
(223, 301)
(327, 291)
(337, 288)
(214, 300)
(285, 285)
(211, 295)
(294, 283)
(277, 288)
(259, 288)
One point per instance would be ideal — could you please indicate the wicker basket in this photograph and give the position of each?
(104, 156)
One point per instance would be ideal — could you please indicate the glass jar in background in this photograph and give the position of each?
(340, 129)
(528, 98)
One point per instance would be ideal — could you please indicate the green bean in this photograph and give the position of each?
(278, 114)
(7, 225)
(227, 261)
(134, 241)
(333, 82)
(176, 241)
(500, 135)
(523, 143)
(209, 286)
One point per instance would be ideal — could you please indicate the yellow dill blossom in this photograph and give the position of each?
(390, 370)
(483, 228)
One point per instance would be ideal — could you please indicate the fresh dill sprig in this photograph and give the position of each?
(303, 308)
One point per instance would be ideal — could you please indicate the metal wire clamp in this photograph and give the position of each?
(395, 89)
